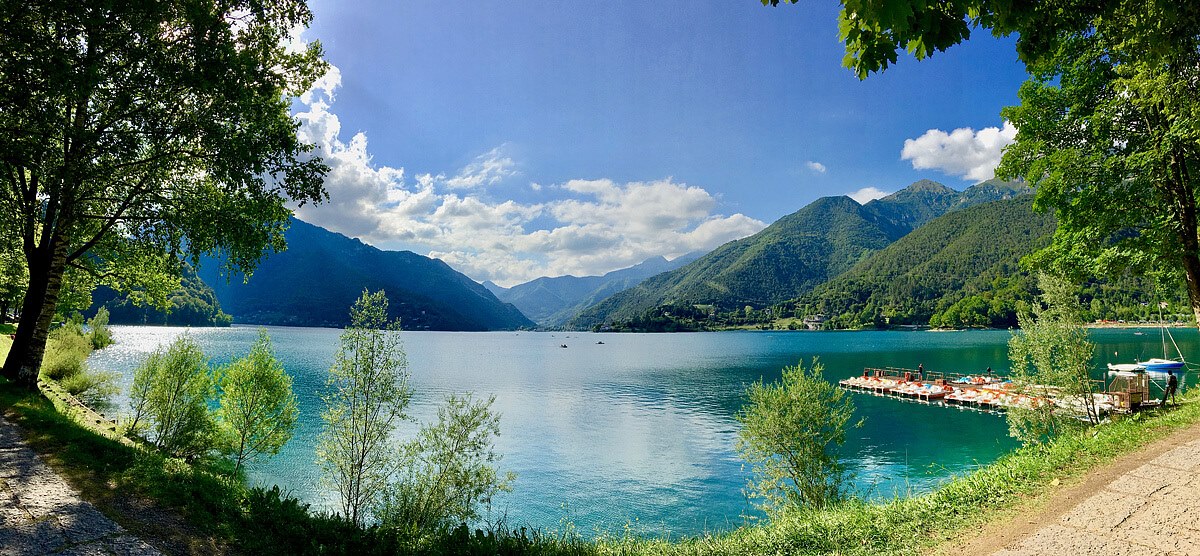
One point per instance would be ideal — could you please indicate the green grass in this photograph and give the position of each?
(912, 525)
(222, 515)
(141, 489)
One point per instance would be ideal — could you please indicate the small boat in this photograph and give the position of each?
(1161, 365)
(1115, 369)
(1154, 365)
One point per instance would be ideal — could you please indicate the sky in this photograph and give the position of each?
(541, 138)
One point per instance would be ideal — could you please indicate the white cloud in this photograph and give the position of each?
(815, 166)
(963, 152)
(587, 226)
(868, 194)
(489, 168)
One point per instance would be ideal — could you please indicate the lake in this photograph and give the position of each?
(639, 432)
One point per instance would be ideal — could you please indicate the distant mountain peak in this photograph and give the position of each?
(552, 301)
(1016, 186)
(922, 188)
(927, 185)
(493, 287)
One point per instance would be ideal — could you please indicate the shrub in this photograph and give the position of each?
(100, 335)
(274, 523)
(1051, 355)
(790, 434)
(66, 353)
(448, 472)
(94, 388)
(170, 396)
(257, 412)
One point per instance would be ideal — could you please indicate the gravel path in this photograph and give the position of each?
(1146, 503)
(41, 514)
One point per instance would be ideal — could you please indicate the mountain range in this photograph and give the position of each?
(911, 256)
(551, 302)
(320, 275)
(795, 254)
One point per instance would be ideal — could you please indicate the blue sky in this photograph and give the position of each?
(521, 139)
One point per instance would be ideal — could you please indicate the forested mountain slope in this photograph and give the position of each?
(795, 254)
(962, 267)
(320, 275)
(193, 304)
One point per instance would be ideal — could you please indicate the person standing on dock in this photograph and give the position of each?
(920, 371)
(1172, 384)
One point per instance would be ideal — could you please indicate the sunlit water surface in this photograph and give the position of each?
(639, 431)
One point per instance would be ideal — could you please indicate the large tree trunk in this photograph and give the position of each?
(1191, 269)
(46, 269)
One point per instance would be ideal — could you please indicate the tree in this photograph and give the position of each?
(365, 399)
(257, 411)
(133, 134)
(790, 434)
(1051, 357)
(874, 32)
(1107, 120)
(99, 333)
(447, 472)
(170, 397)
(1100, 128)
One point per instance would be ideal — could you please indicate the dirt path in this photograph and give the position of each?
(1146, 502)
(41, 514)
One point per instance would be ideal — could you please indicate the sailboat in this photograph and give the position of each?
(1155, 365)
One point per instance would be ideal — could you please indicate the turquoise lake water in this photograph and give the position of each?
(639, 431)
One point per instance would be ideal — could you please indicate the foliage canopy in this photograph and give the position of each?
(875, 32)
(135, 133)
(1100, 127)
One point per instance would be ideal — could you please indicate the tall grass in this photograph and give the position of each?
(65, 361)
(66, 353)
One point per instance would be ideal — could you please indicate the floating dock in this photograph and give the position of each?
(986, 392)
